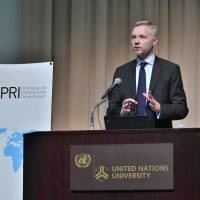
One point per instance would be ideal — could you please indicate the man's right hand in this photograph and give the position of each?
(127, 106)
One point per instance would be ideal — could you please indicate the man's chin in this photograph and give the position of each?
(139, 52)
(142, 56)
(139, 55)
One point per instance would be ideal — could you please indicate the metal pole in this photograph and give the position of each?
(93, 110)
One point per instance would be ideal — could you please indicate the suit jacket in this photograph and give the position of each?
(166, 86)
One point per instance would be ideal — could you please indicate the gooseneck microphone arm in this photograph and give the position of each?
(104, 98)
(92, 112)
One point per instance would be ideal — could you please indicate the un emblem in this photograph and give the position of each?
(82, 160)
(101, 173)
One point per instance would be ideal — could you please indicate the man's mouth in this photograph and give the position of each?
(137, 48)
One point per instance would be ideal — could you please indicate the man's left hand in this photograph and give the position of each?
(154, 105)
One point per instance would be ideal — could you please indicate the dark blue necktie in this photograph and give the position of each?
(141, 106)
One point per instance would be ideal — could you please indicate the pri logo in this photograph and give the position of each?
(82, 160)
(10, 92)
(101, 173)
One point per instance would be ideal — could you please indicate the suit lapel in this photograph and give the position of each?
(132, 78)
(155, 74)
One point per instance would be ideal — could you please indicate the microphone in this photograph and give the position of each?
(117, 81)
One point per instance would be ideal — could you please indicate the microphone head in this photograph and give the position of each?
(117, 81)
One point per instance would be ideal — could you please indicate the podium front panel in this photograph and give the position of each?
(47, 163)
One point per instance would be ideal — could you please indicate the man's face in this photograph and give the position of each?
(143, 41)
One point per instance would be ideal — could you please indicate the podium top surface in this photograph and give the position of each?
(121, 131)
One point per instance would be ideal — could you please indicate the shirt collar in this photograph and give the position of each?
(150, 60)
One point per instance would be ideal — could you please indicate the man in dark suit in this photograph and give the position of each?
(156, 91)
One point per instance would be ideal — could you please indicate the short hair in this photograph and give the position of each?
(150, 24)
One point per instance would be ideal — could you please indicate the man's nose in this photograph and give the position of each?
(136, 41)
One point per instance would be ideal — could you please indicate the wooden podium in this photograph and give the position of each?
(47, 163)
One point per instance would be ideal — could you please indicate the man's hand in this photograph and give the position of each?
(128, 105)
(154, 105)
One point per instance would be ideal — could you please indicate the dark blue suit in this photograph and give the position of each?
(166, 86)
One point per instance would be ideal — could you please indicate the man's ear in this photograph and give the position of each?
(155, 40)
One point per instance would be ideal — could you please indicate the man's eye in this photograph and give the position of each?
(133, 36)
(142, 36)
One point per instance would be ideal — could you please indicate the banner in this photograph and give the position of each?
(25, 106)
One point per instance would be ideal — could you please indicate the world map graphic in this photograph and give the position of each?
(13, 147)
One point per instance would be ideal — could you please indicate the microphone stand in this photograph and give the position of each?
(92, 112)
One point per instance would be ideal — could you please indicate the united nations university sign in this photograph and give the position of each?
(122, 167)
